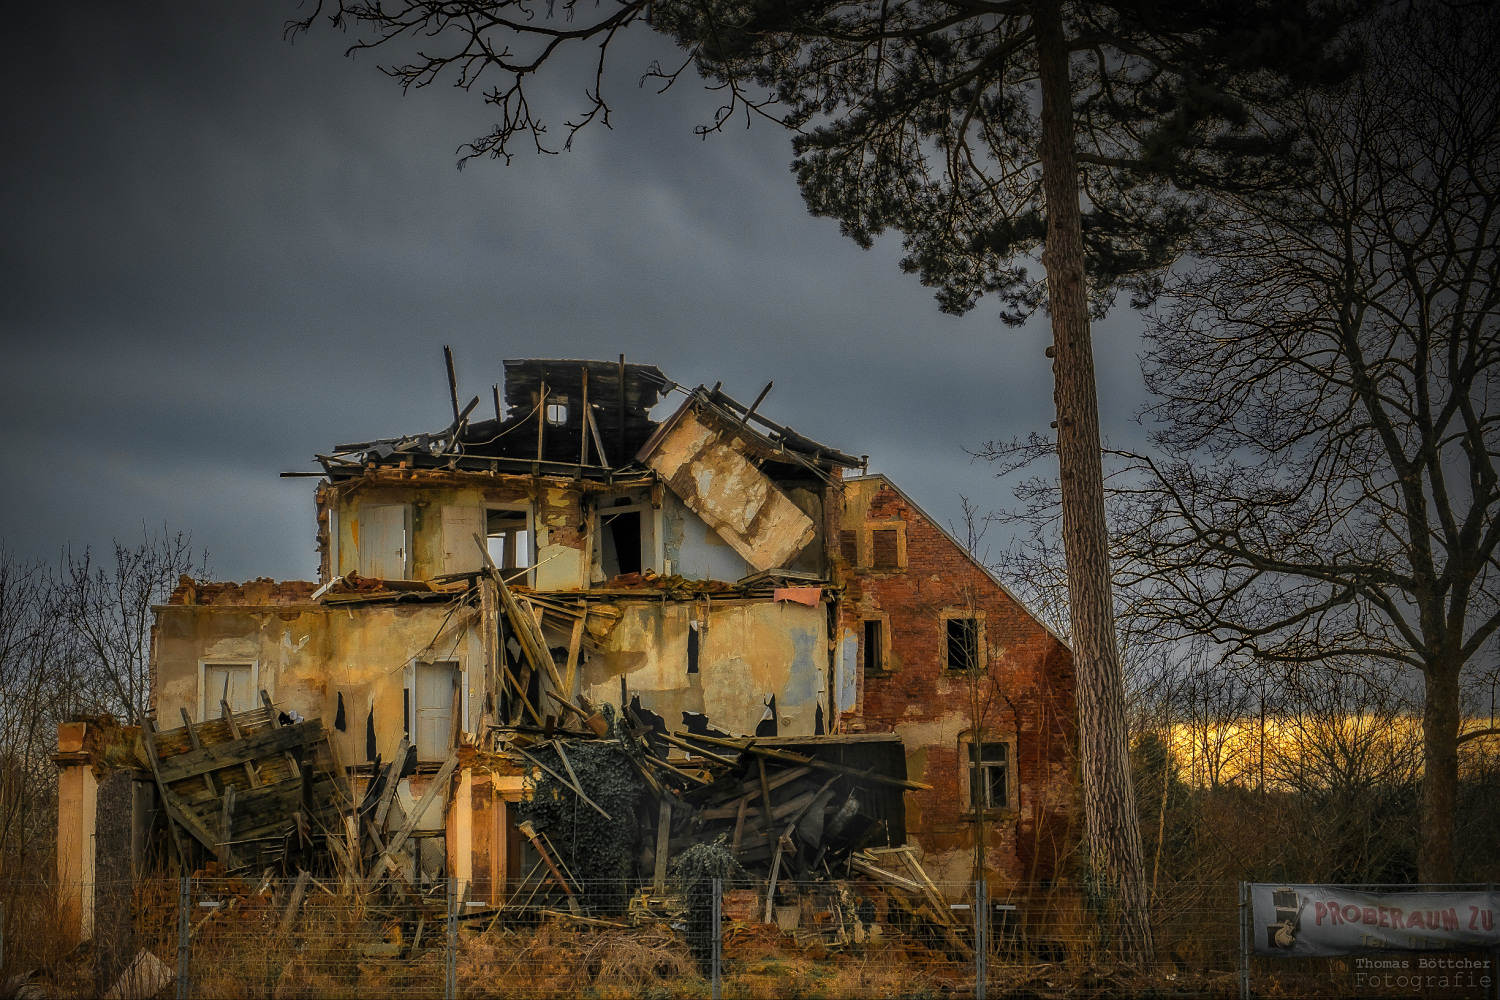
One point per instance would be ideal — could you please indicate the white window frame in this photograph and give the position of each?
(224, 661)
(409, 679)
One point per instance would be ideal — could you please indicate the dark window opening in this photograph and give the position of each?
(963, 644)
(884, 549)
(989, 775)
(692, 651)
(849, 547)
(874, 646)
(620, 543)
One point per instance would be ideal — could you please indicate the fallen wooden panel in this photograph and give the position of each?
(706, 466)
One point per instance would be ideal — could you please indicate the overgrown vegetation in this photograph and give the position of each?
(599, 853)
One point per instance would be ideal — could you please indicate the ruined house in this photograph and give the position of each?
(711, 572)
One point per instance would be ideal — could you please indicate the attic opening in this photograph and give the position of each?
(557, 411)
(507, 539)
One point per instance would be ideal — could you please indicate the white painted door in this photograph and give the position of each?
(382, 541)
(460, 525)
(433, 700)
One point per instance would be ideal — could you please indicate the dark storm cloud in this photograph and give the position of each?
(224, 252)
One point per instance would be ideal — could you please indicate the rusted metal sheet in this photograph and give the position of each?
(706, 467)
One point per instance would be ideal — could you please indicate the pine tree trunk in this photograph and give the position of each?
(1113, 829)
(1440, 718)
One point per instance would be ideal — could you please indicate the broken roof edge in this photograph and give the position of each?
(882, 477)
(738, 416)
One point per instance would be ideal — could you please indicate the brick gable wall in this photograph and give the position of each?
(1025, 694)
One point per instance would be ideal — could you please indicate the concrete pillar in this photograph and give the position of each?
(77, 810)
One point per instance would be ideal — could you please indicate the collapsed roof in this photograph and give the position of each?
(581, 419)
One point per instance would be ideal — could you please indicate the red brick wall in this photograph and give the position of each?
(1024, 693)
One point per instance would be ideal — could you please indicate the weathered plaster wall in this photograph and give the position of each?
(748, 651)
(1024, 694)
(697, 551)
(558, 518)
(307, 655)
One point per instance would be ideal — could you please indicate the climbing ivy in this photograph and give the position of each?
(598, 852)
(693, 872)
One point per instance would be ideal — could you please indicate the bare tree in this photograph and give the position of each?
(1324, 487)
(108, 612)
(32, 692)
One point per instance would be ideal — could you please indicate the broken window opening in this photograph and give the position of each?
(508, 541)
(620, 538)
(692, 647)
(874, 652)
(437, 684)
(962, 644)
(989, 775)
(884, 549)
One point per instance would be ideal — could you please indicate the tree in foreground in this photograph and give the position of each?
(984, 131)
(1325, 488)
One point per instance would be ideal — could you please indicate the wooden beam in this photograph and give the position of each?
(663, 840)
(234, 730)
(787, 757)
(256, 745)
(175, 808)
(575, 642)
(208, 778)
(298, 893)
(275, 717)
(387, 856)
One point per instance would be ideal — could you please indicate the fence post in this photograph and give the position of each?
(718, 932)
(1244, 941)
(981, 938)
(184, 941)
(450, 985)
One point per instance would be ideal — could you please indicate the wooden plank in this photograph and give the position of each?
(187, 722)
(765, 806)
(226, 827)
(528, 632)
(234, 731)
(387, 856)
(523, 636)
(275, 718)
(663, 844)
(388, 793)
(739, 826)
(787, 757)
(753, 793)
(148, 742)
(173, 805)
(685, 745)
(298, 894)
(575, 642)
(237, 752)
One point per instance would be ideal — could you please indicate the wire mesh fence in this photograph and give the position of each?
(320, 937)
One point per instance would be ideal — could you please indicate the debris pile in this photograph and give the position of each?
(255, 788)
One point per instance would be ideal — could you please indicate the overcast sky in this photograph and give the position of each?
(224, 252)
